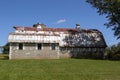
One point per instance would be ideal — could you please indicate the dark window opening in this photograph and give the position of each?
(20, 46)
(53, 46)
(39, 46)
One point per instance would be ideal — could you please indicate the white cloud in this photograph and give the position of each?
(61, 21)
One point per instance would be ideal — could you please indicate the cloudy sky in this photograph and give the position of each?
(53, 13)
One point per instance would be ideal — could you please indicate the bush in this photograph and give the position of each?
(6, 48)
(113, 52)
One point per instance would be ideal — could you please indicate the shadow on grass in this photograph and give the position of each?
(97, 59)
(89, 58)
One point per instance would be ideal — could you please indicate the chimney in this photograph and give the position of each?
(77, 26)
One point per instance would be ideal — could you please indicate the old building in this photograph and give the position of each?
(41, 42)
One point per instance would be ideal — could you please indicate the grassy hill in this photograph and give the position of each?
(62, 69)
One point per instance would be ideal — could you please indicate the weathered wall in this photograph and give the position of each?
(73, 52)
(30, 52)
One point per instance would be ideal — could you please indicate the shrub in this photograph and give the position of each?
(113, 52)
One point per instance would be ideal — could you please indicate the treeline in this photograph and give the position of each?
(113, 52)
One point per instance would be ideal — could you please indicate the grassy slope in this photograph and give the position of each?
(63, 69)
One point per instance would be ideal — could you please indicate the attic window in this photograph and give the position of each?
(21, 30)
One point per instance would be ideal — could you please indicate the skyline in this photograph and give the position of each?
(53, 13)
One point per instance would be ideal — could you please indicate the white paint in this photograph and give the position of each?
(10, 51)
(17, 46)
(23, 46)
(39, 26)
(40, 32)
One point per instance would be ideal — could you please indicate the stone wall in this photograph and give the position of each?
(81, 52)
(30, 51)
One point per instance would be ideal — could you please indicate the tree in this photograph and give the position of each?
(111, 9)
(6, 48)
(113, 52)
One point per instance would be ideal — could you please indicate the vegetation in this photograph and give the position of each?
(111, 9)
(63, 69)
(4, 56)
(113, 52)
(6, 48)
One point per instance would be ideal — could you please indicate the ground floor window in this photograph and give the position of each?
(20, 46)
(39, 46)
(53, 46)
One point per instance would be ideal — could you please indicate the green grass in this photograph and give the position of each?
(62, 69)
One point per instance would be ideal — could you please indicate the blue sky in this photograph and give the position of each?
(53, 13)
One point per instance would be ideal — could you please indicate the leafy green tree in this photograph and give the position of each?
(111, 9)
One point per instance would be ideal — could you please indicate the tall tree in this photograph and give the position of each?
(111, 9)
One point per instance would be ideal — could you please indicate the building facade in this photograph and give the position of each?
(40, 42)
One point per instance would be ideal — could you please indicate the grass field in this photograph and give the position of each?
(63, 69)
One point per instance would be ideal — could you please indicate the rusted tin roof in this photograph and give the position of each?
(72, 37)
(85, 40)
(44, 29)
(33, 34)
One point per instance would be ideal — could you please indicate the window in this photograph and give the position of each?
(39, 46)
(20, 46)
(89, 49)
(95, 49)
(52, 46)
